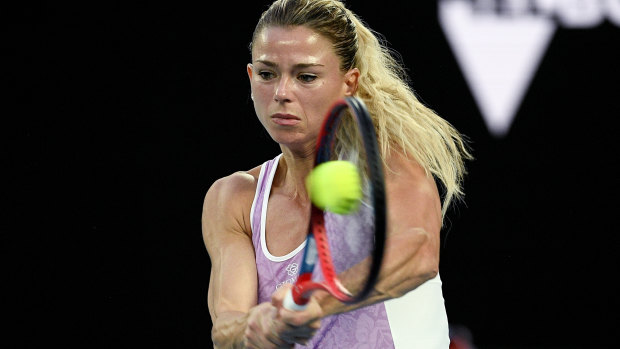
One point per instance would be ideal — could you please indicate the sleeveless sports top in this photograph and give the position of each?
(416, 320)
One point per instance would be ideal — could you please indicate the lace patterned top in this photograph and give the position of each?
(416, 320)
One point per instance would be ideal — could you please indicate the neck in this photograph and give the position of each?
(293, 169)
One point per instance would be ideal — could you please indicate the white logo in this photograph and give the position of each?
(291, 269)
(499, 44)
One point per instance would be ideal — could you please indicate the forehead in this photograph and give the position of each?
(298, 43)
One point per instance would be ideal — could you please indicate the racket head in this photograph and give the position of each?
(348, 247)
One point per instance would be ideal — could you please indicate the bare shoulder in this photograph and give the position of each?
(412, 194)
(401, 167)
(236, 185)
(227, 205)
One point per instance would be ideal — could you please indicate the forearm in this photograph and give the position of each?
(229, 330)
(410, 260)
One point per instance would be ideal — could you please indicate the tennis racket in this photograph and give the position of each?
(348, 248)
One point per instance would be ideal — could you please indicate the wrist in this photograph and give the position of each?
(229, 331)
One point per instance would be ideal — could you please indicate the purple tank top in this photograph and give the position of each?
(366, 327)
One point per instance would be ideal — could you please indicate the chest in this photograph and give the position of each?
(286, 224)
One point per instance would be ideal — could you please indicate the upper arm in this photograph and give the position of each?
(412, 196)
(226, 234)
(413, 224)
(414, 214)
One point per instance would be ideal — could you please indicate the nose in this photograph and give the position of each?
(282, 92)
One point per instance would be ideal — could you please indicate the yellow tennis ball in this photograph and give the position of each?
(335, 186)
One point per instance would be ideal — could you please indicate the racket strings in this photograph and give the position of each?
(355, 239)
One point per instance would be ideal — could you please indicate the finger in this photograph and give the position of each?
(300, 318)
(259, 332)
(311, 313)
(274, 337)
(302, 337)
(252, 342)
(271, 328)
(277, 298)
(293, 334)
(315, 325)
(292, 317)
(258, 341)
(302, 340)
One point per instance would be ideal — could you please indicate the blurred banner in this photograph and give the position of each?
(499, 45)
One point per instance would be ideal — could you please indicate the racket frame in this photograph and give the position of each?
(317, 246)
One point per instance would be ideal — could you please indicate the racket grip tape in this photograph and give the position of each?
(289, 301)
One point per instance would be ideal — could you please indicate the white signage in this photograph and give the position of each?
(499, 44)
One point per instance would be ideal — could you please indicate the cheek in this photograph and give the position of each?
(260, 98)
(322, 101)
(262, 94)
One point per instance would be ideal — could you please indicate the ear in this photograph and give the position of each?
(350, 80)
(250, 68)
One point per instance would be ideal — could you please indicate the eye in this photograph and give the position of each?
(306, 77)
(266, 75)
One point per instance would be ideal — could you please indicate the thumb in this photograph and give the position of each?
(277, 298)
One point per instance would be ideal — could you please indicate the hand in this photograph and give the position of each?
(299, 326)
(263, 330)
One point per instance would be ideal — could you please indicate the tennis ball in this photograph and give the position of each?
(335, 186)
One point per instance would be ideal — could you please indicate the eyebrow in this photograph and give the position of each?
(298, 65)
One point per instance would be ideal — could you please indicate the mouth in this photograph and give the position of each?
(285, 119)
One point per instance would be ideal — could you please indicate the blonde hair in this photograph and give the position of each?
(402, 122)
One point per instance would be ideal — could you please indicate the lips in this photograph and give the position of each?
(285, 119)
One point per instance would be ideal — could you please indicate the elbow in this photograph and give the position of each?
(423, 259)
(424, 271)
(427, 267)
(417, 267)
(429, 273)
(415, 278)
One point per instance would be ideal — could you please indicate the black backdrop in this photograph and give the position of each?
(125, 114)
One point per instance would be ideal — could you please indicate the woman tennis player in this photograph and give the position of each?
(306, 55)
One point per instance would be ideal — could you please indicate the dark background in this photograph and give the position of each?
(121, 116)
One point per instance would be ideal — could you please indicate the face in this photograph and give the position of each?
(295, 78)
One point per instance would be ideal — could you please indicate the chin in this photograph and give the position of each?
(295, 143)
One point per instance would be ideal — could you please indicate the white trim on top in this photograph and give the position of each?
(260, 179)
(263, 219)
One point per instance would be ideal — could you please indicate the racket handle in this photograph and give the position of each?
(290, 304)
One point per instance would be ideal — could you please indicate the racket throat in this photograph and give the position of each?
(302, 291)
